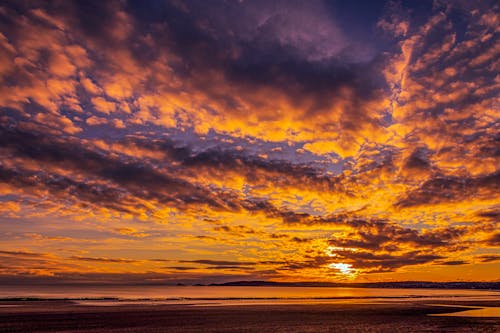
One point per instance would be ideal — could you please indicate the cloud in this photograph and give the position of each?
(282, 134)
(494, 240)
(22, 254)
(453, 263)
(181, 268)
(219, 262)
(386, 262)
(451, 189)
(373, 235)
(488, 258)
(106, 260)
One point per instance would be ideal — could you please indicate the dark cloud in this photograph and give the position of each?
(265, 45)
(131, 176)
(138, 178)
(490, 214)
(219, 262)
(181, 268)
(110, 260)
(451, 189)
(229, 267)
(387, 262)
(22, 254)
(418, 160)
(300, 240)
(63, 188)
(488, 258)
(494, 240)
(378, 235)
(370, 262)
(453, 263)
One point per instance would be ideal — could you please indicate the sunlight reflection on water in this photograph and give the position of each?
(225, 292)
(474, 312)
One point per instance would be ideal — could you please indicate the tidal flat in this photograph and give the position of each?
(155, 317)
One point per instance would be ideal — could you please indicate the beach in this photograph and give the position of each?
(219, 316)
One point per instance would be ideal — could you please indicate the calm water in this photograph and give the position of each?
(221, 293)
(472, 311)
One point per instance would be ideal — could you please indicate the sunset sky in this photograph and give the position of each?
(213, 141)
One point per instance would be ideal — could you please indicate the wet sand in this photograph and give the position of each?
(404, 316)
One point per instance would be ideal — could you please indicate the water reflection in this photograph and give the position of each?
(475, 311)
(212, 292)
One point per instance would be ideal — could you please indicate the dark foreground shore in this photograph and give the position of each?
(69, 316)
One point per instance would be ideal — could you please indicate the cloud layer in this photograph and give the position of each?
(196, 141)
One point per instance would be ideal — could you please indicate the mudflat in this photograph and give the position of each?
(405, 316)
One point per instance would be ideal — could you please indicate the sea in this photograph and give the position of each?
(224, 295)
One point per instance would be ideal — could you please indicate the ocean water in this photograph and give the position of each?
(186, 293)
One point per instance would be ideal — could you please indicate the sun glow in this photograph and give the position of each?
(344, 269)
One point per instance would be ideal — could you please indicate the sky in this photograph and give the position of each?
(214, 141)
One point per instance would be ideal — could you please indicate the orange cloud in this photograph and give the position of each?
(273, 150)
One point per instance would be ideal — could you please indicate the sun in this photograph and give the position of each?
(346, 270)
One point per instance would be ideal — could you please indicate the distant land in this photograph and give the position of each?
(401, 284)
(491, 285)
